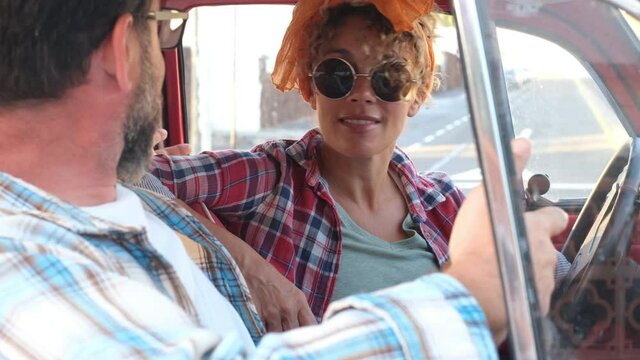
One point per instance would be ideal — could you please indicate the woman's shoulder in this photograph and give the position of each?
(297, 150)
(426, 179)
(437, 179)
(271, 146)
(440, 182)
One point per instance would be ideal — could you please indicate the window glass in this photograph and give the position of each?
(557, 104)
(553, 99)
(633, 23)
(232, 103)
(574, 91)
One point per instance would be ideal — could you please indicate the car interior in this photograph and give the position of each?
(589, 150)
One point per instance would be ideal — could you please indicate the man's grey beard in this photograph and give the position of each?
(143, 118)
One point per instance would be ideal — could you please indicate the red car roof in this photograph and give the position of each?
(444, 5)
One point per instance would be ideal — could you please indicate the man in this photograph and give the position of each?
(90, 269)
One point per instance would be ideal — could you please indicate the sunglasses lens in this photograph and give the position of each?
(333, 78)
(391, 82)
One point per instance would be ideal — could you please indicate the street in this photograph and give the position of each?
(573, 130)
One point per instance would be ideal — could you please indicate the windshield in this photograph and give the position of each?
(572, 76)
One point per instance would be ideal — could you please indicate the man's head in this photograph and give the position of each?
(48, 47)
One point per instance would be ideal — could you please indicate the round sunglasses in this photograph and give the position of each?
(335, 78)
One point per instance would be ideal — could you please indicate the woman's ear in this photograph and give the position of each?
(416, 103)
(312, 101)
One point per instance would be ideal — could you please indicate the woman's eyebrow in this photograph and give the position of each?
(394, 57)
(340, 51)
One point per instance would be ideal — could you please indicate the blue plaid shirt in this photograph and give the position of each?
(74, 286)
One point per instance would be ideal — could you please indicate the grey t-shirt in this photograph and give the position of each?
(369, 263)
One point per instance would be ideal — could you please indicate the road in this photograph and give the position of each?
(573, 130)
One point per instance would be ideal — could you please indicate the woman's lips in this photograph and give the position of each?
(360, 123)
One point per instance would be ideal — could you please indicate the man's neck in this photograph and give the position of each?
(57, 151)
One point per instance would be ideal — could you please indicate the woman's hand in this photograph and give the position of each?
(281, 305)
(176, 150)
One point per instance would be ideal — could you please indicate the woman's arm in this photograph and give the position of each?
(235, 180)
(281, 305)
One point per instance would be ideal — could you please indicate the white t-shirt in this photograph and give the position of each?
(216, 312)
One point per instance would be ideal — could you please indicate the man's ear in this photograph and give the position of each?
(121, 53)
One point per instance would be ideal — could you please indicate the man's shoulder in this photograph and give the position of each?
(21, 229)
(33, 242)
(81, 280)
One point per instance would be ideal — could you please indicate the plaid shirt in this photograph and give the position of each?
(74, 286)
(272, 197)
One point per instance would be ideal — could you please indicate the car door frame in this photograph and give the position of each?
(493, 130)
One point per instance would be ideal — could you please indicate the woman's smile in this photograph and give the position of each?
(360, 123)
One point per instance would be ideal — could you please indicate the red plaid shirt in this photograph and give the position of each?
(272, 197)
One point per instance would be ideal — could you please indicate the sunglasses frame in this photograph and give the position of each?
(355, 76)
(165, 15)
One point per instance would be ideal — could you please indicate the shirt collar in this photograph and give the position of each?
(222, 269)
(129, 210)
(17, 195)
(305, 151)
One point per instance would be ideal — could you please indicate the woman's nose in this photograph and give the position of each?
(362, 90)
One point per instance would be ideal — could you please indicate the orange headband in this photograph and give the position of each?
(287, 76)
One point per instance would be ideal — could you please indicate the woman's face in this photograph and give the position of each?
(360, 124)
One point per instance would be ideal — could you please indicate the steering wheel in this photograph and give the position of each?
(585, 303)
(610, 207)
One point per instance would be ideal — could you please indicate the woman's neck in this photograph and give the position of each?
(363, 181)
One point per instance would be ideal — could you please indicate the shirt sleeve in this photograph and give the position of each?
(229, 180)
(151, 183)
(433, 317)
(562, 267)
(59, 304)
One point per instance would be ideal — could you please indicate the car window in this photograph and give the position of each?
(572, 71)
(633, 22)
(554, 100)
(557, 103)
(232, 103)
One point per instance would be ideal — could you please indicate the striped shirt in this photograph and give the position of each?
(273, 198)
(75, 286)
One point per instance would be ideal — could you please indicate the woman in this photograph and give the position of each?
(341, 210)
